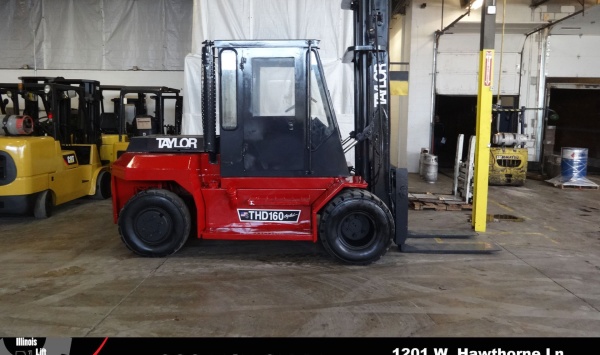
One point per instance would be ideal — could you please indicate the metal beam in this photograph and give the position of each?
(484, 116)
(535, 4)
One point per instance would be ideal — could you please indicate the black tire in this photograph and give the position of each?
(43, 205)
(103, 183)
(154, 223)
(356, 227)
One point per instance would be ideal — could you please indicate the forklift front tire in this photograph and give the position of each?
(356, 227)
(43, 205)
(155, 223)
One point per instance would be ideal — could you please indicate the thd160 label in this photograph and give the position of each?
(282, 216)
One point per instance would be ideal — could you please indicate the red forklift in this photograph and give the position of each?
(276, 169)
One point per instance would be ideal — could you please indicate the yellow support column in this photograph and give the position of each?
(482, 142)
(484, 116)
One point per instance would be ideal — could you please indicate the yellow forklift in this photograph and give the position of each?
(47, 160)
(131, 116)
(508, 154)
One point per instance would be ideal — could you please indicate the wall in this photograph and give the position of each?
(413, 36)
(456, 64)
(172, 79)
(276, 19)
(573, 56)
(97, 40)
(405, 55)
(397, 123)
(95, 34)
(423, 23)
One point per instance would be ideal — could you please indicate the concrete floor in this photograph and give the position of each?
(71, 276)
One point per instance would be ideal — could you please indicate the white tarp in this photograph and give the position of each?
(20, 34)
(95, 34)
(273, 19)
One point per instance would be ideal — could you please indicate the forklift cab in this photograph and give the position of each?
(9, 94)
(132, 117)
(276, 116)
(110, 122)
(32, 94)
(138, 121)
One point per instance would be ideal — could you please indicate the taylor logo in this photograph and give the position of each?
(380, 87)
(182, 143)
(282, 216)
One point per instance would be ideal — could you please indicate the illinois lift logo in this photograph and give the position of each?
(29, 346)
(51, 346)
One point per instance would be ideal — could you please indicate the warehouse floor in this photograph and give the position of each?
(71, 276)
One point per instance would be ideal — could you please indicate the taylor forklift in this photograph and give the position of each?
(131, 117)
(50, 159)
(277, 169)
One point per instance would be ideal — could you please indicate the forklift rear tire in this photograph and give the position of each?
(356, 227)
(155, 223)
(103, 186)
(43, 205)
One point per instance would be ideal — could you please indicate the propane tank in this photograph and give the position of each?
(13, 125)
(509, 139)
(424, 151)
(430, 168)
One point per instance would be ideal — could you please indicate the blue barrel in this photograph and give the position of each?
(573, 164)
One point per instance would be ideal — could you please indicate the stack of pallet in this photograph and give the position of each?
(437, 202)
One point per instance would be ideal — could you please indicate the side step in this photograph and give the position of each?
(446, 242)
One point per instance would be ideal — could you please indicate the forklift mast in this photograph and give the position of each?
(89, 107)
(88, 96)
(9, 93)
(371, 110)
(371, 114)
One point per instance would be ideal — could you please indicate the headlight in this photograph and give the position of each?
(47, 89)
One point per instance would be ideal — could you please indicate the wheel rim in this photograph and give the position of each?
(153, 226)
(357, 230)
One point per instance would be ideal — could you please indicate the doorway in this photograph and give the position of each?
(457, 115)
(578, 125)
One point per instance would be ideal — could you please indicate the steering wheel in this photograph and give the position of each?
(44, 126)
